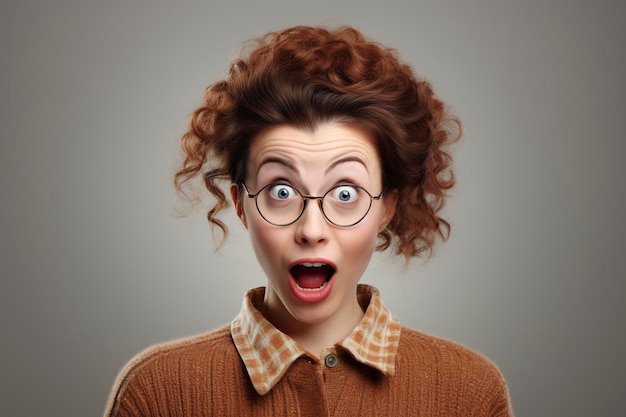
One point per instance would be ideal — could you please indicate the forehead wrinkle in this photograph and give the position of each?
(290, 152)
(271, 159)
(278, 153)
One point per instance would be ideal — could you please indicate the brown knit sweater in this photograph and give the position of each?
(204, 376)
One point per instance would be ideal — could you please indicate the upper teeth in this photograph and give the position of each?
(312, 264)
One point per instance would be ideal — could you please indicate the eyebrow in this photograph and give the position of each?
(293, 168)
(276, 160)
(345, 160)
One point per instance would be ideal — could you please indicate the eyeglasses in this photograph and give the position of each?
(281, 204)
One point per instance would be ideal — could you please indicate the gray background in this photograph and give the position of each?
(95, 265)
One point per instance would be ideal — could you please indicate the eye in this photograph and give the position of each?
(282, 192)
(345, 193)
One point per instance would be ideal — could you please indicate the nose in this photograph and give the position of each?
(312, 227)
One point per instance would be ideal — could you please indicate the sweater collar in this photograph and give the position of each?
(267, 353)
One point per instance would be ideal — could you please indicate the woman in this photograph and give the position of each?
(331, 149)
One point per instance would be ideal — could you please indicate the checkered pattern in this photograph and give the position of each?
(267, 352)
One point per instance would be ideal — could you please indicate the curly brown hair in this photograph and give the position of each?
(304, 76)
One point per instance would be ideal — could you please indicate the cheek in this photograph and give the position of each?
(359, 243)
(367, 230)
(266, 241)
(363, 238)
(260, 235)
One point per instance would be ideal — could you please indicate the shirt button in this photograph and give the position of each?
(331, 361)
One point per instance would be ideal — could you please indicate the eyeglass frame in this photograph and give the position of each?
(305, 198)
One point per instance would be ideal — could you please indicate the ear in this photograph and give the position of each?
(390, 200)
(238, 203)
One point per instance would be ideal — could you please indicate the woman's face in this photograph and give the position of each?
(313, 266)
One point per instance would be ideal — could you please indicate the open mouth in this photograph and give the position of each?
(312, 276)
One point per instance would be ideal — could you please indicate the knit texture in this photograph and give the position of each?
(205, 376)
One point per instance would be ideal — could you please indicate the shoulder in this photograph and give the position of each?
(172, 362)
(476, 380)
(437, 350)
(193, 345)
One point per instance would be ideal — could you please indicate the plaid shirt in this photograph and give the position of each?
(267, 352)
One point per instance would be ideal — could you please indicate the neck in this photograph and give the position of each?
(316, 336)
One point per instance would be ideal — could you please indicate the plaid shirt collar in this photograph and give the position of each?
(267, 352)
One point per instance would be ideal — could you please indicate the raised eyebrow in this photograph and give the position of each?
(276, 160)
(286, 163)
(345, 160)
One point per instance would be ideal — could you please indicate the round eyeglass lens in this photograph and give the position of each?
(279, 204)
(346, 205)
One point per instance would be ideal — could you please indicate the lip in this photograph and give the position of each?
(312, 296)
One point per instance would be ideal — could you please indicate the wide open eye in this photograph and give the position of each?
(345, 194)
(282, 192)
